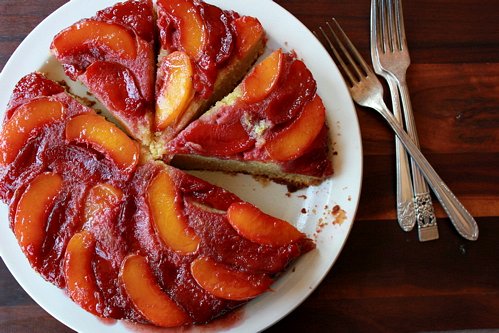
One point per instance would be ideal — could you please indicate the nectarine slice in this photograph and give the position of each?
(105, 137)
(177, 90)
(168, 216)
(24, 122)
(101, 199)
(258, 227)
(80, 278)
(263, 78)
(193, 35)
(95, 34)
(224, 282)
(248, 31)
(147, 296)
(116, 87)
(222, 139)
(32, 211)
(292, 141)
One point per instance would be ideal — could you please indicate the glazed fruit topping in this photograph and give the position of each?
(105, 137)
(206, 33)
(32, 212)
(258, 227)
(263, 78)
(249, 31)
(226, 282)
(147, 296)
(220, 139)
(168, 217)
(91, 34)
(177, 90)
(117, 88)
(191, 35)
(136, 14)
(79, 275)
(293, 140)
(29, 87)
(25, 123)
(101, 202)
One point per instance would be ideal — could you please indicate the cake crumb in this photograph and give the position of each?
(339, 215)
(264, 181)
(303, 211)
(303, 196)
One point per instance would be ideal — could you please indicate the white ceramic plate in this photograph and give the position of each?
(310, 210)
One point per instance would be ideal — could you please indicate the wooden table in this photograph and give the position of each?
(385, 280)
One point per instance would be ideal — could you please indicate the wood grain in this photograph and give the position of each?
(385, 280)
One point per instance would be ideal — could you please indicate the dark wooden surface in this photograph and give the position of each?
(384, 280)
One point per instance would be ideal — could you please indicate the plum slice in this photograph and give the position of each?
(225, 282)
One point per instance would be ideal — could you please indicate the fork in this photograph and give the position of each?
(366, 90)
(405, 195)
(391, 59)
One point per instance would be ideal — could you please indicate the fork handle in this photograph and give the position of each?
(406, 214)
(419, 183)
(464, 223)
(425, 215)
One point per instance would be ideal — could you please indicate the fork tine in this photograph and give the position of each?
(392, 21)
(383, 25)
(353, 51)
(399, 24)
(346, 53)
(347, 71)
(377, 29)
(387, 24)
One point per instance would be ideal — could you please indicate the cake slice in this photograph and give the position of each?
(204, 53)
(112, 53)
(127, 238)
(273, 124)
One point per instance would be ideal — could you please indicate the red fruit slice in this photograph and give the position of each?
(258, 227)
(91, 34)
(102, 199)
(147, 296)
(298, 89)
(23, 124)
(224, 282)
(32, 211)
(29, 87)
(297, 137)
(192, 32)
(105, 137)
(249, 31)
(80, 278)
(168, 217)
(220, 139)
(263, 78)
(135, 14)
(115, 86)
(177, 90)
